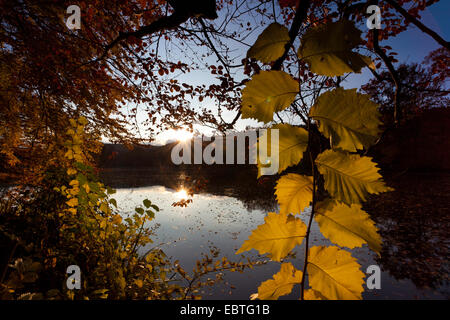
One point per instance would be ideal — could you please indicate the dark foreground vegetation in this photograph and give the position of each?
(125, 75)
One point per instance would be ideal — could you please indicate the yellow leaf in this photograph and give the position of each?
(281, 284)
(72, 211)
(266, 93)
(334, 273)
(87, 188)
(72, 202)
(104, 208)
(292, 143)
(74, 183)
(71, 171)
(253, 296)
(80, 129)
(117, 219)
(73, 192)
(348, 118)
(139, 283)
(348, 177)
(82, 120)
(311, 294)
(327, 48)
(294, 193)
(69, 155)
(78, 157)
(76, 149)
(76, 140)
(277, 236)
(270, 44)
(347, 226)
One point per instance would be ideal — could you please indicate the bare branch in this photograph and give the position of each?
(419, 24)
(300, 16)
(394, 75)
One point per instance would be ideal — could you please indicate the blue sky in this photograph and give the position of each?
(411, 46)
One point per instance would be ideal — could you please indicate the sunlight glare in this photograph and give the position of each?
(183, 135)
(181, 194)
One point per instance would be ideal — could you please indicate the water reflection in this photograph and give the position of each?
(239, 184)
(226, 208)
(416, 240)
(181, 194)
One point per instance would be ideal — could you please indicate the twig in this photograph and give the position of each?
(419, 24)
(300, 16)
(212, 45)
(9, 262)
(308, 230)
(164, 23)
(394, 75)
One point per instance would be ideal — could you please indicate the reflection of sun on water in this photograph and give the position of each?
(181, 194)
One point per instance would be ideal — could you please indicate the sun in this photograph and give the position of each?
(181, 194)
(182, 135)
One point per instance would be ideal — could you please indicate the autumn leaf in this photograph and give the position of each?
(72, 202)
(347, 226)
(69, 155)
(292, 143)
(348, 177)
(349, 119)
(139, 283)
(117, 219)
(281, 284)
(82, 120)
(334, 273)
(104, 208)
(253, 296)
(113, 202)
(311, 294)
(270, 43)
(74, 183)
(294, 193)
(266, 93)
(279, 234)
(147, 203)
(327, 48)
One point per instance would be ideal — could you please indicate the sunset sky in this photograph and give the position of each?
(411, 45)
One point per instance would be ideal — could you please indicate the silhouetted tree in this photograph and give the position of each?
(420, 90)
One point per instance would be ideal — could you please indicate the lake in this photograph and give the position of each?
(222, 215)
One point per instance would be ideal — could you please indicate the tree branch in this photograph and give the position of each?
(205, 32)
(164, 23)
(394, 75)
(300, 16)
(183, 11)
(419, 24)
(313, 207)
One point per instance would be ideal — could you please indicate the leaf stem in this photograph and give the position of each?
(308, 230)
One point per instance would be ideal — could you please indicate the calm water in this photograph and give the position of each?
(223, 216)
